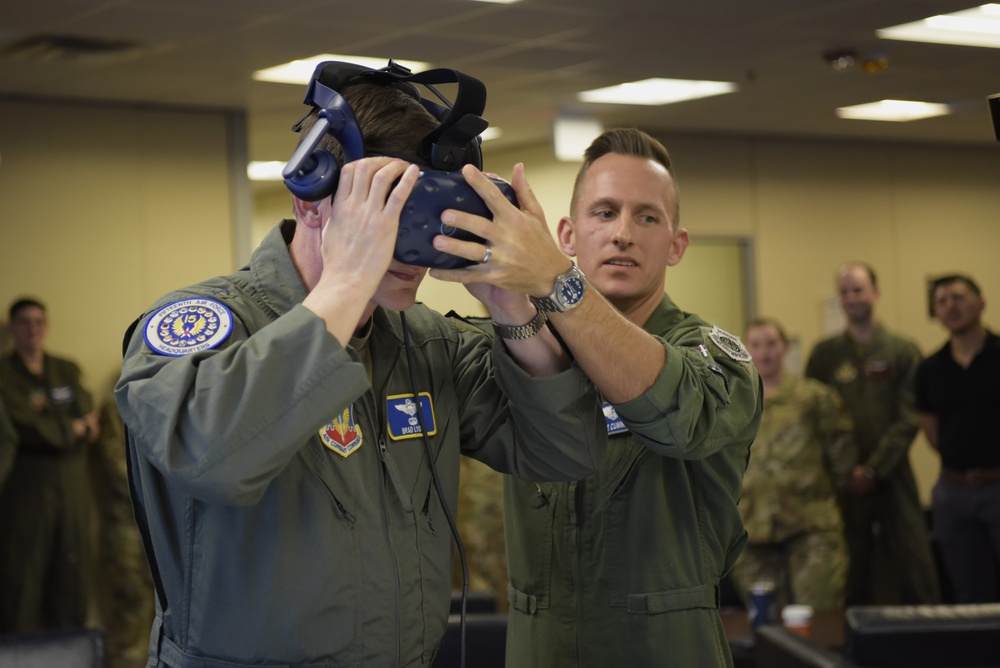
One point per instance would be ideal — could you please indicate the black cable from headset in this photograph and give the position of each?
(440, 491)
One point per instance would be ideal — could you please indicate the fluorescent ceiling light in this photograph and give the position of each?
(571, 136)
(979, 26)
(500, 2)
(657, 91)
(893, 110)
(265, 170)
(301, 71)
(491, 133)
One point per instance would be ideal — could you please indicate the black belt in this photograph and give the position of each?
(984, 476)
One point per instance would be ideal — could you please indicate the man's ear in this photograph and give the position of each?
(312, 214)
(566, 233)
(678, 244)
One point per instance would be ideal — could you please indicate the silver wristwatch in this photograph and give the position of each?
(567, 292)
(518, 332)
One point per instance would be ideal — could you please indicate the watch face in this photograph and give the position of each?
(571, 291)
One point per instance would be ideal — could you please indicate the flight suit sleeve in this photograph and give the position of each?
(49, 425)
(894, 445)
(222, 423)
(543, 429)
(8, 445)
(706, 396)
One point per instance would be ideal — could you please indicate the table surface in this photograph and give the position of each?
(827, 627)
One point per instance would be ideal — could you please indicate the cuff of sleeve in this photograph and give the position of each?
(572, 381)
(661, 397)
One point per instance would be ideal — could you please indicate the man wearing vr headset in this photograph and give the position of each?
(292, 434)
(623, 567)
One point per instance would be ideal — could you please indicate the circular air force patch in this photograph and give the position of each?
(729, 344)
(188, 326)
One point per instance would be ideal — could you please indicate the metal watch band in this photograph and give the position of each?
(567, 292)
(518, 332)
(545, 304)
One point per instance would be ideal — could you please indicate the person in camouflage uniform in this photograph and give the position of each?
(127, 606)
(803, 450)
(480, 524)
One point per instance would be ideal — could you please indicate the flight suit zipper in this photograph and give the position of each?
(377, 409)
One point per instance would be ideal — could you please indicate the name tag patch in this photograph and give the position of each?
(342, 434)
(62, 395)
(615, 424)
(403, 420)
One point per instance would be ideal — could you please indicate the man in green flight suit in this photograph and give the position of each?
(623, 567)
(47, 529)
(873, 370)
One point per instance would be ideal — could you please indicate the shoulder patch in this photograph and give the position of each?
(342, 434)
(188, 326)
(729, 344)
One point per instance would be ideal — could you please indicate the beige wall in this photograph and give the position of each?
(102, 210)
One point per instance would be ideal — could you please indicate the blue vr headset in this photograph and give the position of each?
(312, 173)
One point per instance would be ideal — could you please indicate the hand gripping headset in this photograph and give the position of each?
(312, 173)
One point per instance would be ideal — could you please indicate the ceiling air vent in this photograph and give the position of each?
(69, 48)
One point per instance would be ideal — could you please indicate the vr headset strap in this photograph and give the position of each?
(463, 123)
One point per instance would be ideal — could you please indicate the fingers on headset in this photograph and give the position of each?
(401, 190)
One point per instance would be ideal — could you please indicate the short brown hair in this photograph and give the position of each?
(867, 268)
(391, 121)
(630, 142)
(767, 322)
(956, 278)
(20, 304)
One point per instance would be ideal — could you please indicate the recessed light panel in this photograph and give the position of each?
(657, 91)
(979, 26)
(265, 170)
(893, 110)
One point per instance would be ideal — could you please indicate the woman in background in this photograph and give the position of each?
(802, 455)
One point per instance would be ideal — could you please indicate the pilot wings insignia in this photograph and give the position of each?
(407, 407)
(189, 326)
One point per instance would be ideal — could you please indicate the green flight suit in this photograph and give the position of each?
(803, 449)
(876, 382)
(8, 445)
(291, 509)
(623, 567)
(47, 529)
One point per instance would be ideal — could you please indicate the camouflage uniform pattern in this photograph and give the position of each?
(803, 451)
(127, 606)
(480, 525)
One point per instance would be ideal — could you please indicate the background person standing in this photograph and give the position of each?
(804, 450)
(47, 529)
(958, 391)
(873, 371)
